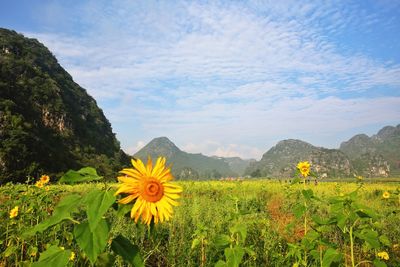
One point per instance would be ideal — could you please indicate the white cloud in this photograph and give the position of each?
(228, 72)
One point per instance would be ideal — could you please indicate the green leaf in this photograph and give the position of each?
(9, 251)
(331, 256)
(234, 256)
(222, 241)
(105, 260)
(369, 236)
(241, 229)
(379, 263)
(341, 221)
(54, 257)
(195, 243)
(321, 221)
(98, 202)
(295, 181)
(364, 211)
(86, 174)
(62, 211)
(299, 210)
(128, 251)
(308, 194)
(385, 240)
(220, 263)
(123, 210)
(92, 242)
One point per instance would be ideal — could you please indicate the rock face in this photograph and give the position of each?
(375, 156)
(185, 165)
(48, 123)
(281, 160)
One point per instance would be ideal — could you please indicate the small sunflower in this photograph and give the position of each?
(304, 168)
(383, 255)
(44, 179)
(39, 184)
(151, 188)
(14, 212)
(386, 195)
(72, 256)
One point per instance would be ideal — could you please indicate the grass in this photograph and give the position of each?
(208, 210)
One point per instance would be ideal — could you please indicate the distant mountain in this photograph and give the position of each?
(185, 165)
(378, 155)
(237, 164)
(48, 123)
(281, 160)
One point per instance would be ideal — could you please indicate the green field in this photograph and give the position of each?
(260, 219)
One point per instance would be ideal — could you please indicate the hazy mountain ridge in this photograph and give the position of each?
(378, 155)
(375, 156)
(281, 160)
(185, 165)
(237, 164)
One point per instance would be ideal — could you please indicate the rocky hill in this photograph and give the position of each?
(281, 160)
(185, 165)
(378, 155)
(48, 123)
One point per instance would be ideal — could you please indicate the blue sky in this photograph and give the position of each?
(227, 78)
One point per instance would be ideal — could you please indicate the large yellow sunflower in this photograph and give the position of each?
(151, 188)
(304, 168)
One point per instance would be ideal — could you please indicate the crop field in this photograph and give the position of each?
(223, 223)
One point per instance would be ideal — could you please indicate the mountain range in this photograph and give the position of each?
(49, 124)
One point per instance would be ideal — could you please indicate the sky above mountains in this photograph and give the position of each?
(227, 78)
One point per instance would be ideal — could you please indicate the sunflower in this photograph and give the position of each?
(383, 255)
(44, 179)
(151, 188)
(386, 195)
(14, 212)
(39, 184)
(304, 168)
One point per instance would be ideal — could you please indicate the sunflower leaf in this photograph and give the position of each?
(86, 174)
(92, 242)
(330, 256)
(63, 211)
(53, 256)
(98, 202)
(128, 251)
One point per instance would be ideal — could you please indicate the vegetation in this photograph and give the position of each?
(185, 165)
(254, 223)
(48, 123)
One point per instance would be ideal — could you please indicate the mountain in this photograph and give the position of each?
(378, 155)
(48, 123)
(281, 160)
(236, 164)
(185, 165)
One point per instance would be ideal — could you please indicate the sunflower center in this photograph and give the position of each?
(152, 190)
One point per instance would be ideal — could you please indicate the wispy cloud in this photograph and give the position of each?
(240, 75)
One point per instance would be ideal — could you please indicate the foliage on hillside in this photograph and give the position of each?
(48, 123)
(185, 165)
(378, 155)
(280, 160)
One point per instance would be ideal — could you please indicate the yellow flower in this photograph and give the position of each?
(304, 168)
(359, 178)
(383, 255)
(72, 257)
(39, 184)
(14, 212)
(44, 179)
(47, 188)
(386, 195)
(151, 188)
